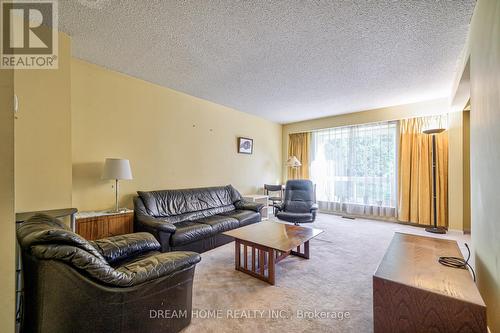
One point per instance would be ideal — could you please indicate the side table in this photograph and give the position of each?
(260, 198)
(100, 224)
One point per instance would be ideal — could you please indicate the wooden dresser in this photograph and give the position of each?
(101, 224)
(414, 293)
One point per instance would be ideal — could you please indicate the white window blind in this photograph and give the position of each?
(355, 169)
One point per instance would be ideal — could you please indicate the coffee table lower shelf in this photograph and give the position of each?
(259, 261)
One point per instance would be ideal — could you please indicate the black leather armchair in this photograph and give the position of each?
(116, 284)
(299, 204)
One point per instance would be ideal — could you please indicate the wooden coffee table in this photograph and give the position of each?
(259, 246)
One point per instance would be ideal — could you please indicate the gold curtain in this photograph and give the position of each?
(298, 146)
(415, 173)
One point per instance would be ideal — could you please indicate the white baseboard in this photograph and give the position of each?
(456, 232)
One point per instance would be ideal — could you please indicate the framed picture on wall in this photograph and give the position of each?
(245, 145)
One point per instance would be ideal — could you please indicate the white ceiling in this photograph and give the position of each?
(282, 60)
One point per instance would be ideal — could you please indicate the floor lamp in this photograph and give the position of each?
(293, 163)
(434, 229)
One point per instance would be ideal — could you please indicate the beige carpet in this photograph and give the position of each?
(336, 280)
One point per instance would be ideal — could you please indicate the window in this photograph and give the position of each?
(354, 169)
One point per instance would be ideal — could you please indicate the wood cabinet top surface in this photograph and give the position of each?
(413, 261)
(98, 213)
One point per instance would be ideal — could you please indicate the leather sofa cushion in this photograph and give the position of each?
(295, 217)
(220, 223)
(191, 216)
(190, 231)
(244, 217)
(157, 265)
(120, 247)
(176, 202)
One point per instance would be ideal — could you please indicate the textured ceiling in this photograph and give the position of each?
(282, 60)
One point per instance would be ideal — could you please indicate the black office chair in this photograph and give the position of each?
(270, 189)
(299, 204)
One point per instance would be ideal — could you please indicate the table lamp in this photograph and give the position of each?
(117, 169)
(293, 162)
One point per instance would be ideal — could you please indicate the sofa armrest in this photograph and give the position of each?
(120, 247)
(158, 265)
(155, 223)
(247, 205)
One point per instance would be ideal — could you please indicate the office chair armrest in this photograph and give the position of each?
(314, 210)
(278, 208)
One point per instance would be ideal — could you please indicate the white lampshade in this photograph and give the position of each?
(116, 168)
(433, 130)
(293, 162)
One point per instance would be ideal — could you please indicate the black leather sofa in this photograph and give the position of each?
(193, 219)
(109, 285)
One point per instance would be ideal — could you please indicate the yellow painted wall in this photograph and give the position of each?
(455, 171)
(485, 152)
(172, 140)
(43, 135)
(7, 236)
(427, 108)
(466, 171)
(459, 171)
